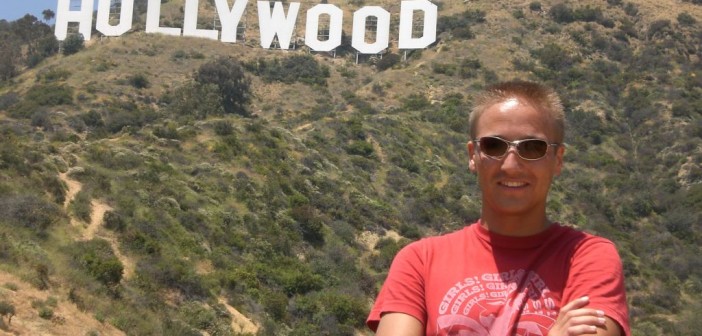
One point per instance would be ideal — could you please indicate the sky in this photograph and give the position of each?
(11, 10)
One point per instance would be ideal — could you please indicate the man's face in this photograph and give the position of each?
(511, 185)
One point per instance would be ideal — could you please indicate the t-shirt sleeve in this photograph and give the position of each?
(403, 289)
(596, 271)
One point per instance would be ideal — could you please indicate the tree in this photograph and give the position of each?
(48, 14)
(73, 44)
(7, 309)
(234, 86)
(10, 56)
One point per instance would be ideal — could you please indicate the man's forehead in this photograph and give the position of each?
(508, 104)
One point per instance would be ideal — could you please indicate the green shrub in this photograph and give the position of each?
(387, 248)
(658, 27)
(53, 75)
(234, 86)
(311, 225)
(553, 56)
(30, 211)
(388, 61)
(46, 312)
(114, 221)
(7, 309)
(562, 13)
(125, 114)
(73, 44)
(223, 127)
(92, 119)
(195, 100)
(167, 131)
(97, 259)
(360, 147)
(9, 99)
(443, 68)
(686, 19)
(139, 81)
(81, 205)
(361, 105)
(40, 96)
(276, 304)
(297, 68)
(416, 102)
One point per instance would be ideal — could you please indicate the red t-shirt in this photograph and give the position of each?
(474, 282)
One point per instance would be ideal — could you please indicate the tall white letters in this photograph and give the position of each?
(153, 18)
(103, 18)
(276, 23)
(273, 21)
(84, 17)
(407, 9)
(336, 16)
(230, 18)
(382, 36)
(190, 25)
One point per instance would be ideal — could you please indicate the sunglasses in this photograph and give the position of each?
(527, 149)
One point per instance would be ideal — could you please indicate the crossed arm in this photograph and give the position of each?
(573, 319)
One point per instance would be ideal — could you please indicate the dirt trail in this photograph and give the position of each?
(98, 210)
(73, 188)
(67, 319)
(240, 324)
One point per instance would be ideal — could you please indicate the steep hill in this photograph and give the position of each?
(139, 197)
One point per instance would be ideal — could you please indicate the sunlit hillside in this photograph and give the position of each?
(162, 185)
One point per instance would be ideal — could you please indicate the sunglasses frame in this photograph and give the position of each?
(515, 144)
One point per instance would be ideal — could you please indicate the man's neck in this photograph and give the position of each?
(518, 225)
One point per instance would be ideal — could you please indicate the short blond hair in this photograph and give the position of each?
(539, 96)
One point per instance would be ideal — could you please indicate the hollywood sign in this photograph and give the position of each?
(271, 23)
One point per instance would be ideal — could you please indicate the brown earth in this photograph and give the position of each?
(67, 319)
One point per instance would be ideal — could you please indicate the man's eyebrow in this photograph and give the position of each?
(526, 137)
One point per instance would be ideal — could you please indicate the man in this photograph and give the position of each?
(514, 272)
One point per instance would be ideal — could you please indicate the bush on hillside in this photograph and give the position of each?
(73, 44)
(297, 68)
(686, 19)
(139, 81)
(41, 49)
(196, 101)
(7, 309)
(97, 259)
(234, 87)
(388, 61)
(30, 211)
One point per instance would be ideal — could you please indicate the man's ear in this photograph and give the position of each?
(471, 155)
(560, 151)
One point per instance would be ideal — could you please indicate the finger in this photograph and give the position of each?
(581, 330)
(582, 316)
(575, 304)
(588, 320)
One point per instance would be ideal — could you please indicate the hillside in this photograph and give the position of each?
(139, 197)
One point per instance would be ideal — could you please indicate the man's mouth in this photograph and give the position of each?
(513, 184)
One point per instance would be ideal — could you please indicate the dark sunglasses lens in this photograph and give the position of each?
(532, 149)
(493, 146)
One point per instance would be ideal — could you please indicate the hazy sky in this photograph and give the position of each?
(11, 10)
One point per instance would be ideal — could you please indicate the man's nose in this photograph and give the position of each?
(511, 160)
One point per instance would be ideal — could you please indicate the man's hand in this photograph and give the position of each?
(575, 319)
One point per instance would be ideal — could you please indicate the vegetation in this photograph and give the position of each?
(282, 184)
(296, 68)
(73, 44)
(228, 75)
(7, 310)
(26, 42)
